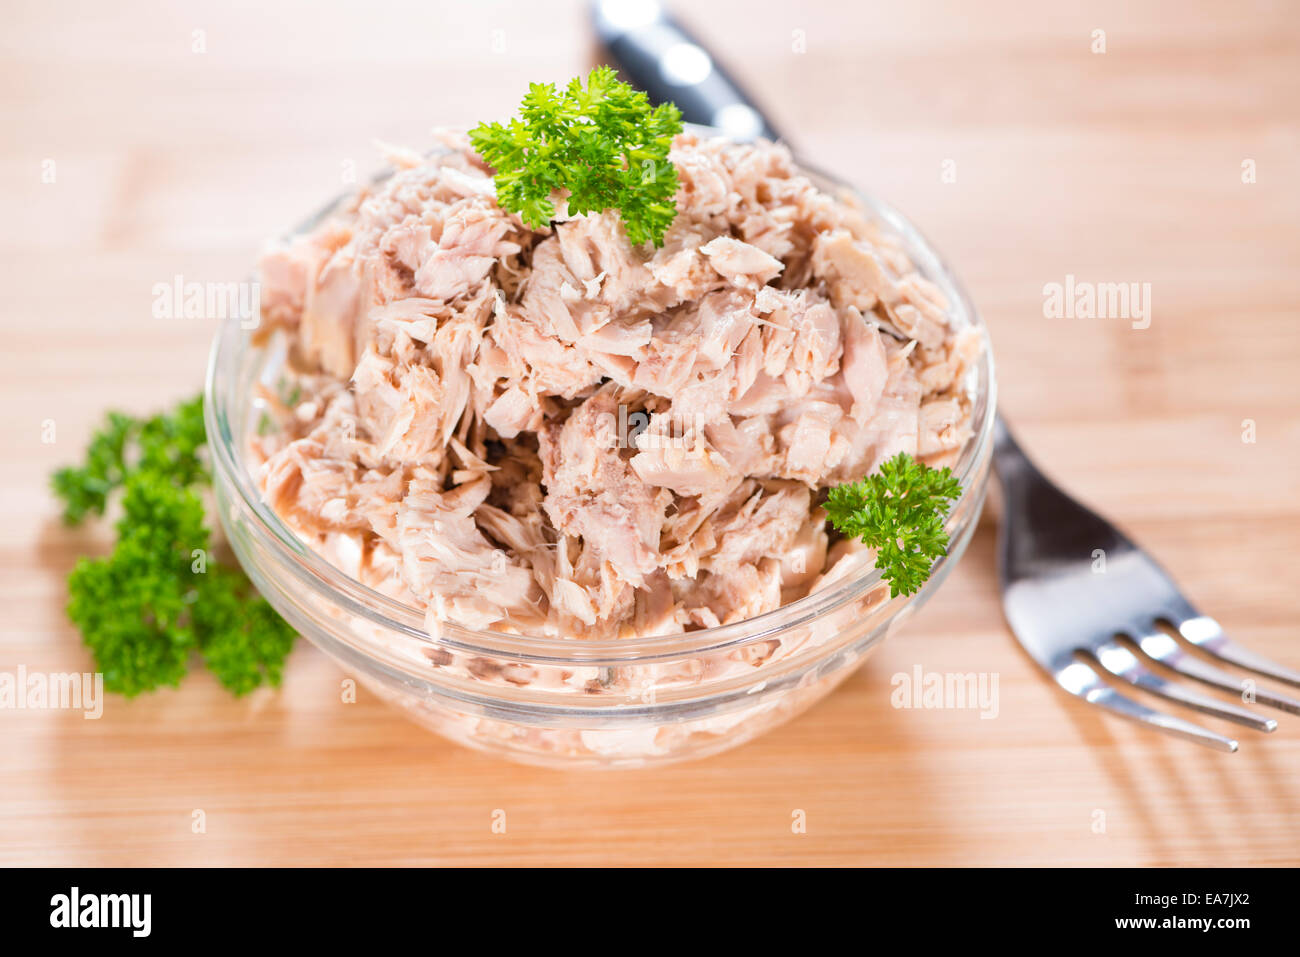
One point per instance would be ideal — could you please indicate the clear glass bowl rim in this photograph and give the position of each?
(313, 572)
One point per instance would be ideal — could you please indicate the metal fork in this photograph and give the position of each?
(1057, 605)
(1072, 584)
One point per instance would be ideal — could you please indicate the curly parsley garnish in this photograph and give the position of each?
(900, 513)
(160, 595)
(605, 144)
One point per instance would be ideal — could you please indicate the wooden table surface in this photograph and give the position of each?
(181, 134)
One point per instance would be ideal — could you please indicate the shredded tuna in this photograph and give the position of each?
(556, 432)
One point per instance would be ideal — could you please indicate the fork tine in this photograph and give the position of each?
(1081, 681)
(1122, 663)
(1207, 634)
(1169, 653)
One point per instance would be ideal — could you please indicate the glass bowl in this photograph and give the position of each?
(578, 703)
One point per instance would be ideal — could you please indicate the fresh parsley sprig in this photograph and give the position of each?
(900, 512)
(160, 595)
(603, 143)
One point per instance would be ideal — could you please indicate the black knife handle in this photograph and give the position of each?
(659, 56)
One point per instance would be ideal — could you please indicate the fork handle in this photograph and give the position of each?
(1017, 473)
(1009, 458)
(656, 53)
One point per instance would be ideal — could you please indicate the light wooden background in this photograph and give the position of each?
(1124, 166)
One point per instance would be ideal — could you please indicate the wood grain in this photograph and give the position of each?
(1122, 166)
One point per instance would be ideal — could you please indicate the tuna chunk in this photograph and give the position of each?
(853, 270)
(594, 494)
(450, 564)
(741, 263)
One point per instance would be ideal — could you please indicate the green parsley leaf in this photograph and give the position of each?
(84, 491)
(133, 607)
(603, 143)
(242, 639)
(900, 512)
(160, 596)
